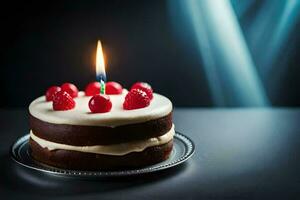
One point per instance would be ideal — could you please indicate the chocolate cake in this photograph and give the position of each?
(79, 139)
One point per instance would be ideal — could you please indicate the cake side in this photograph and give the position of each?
(112, 149)
(96, 135)
(75, 160)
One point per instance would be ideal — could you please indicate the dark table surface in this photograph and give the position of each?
(240, 154)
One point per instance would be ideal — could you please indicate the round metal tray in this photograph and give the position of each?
(183, 149)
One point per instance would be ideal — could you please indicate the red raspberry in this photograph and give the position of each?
(145, 87)
(100, 103)
(113, 88)
(51, 92)
(136, 99)
(70, 88)
(92, 89)
(63, 101)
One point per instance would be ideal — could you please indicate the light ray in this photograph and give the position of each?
(280, 34)
(227, 61)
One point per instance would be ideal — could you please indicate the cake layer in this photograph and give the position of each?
(115, 149)
(99, 135)
(159, 107)
(89, 161)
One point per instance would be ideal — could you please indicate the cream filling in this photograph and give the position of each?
(115, 149)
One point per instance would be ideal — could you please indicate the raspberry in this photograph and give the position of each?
(145, 87)
(100, 103)
(113, 88)
(51, 92)
(136, 99)
(63, 101)
(92, 89)
(70, 88)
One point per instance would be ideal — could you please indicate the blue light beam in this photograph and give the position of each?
(230, 71)
(280, 34)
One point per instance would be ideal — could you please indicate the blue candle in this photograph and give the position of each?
(100, 68)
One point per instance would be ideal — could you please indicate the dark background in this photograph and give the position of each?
(48, 43)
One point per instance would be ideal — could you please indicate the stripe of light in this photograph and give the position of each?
(280, 34)
(207, 57)
(225, 53)
(259, 28)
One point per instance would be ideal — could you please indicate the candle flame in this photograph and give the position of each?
(100, 64)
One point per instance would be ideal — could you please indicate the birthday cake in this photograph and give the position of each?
(91, 131)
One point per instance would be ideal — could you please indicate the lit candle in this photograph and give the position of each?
(100, 68)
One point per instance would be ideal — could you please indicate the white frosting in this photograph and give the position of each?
(115, 149)
(160, 106)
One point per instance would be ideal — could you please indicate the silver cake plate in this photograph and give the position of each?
(183, 149)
